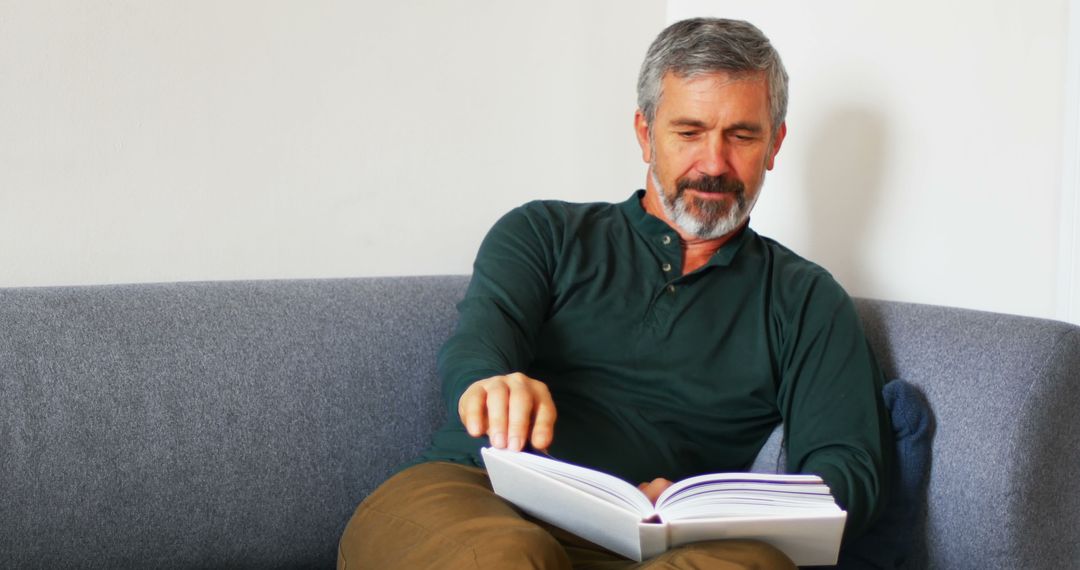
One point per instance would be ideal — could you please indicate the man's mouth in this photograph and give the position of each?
(711, 195)
(710, 187)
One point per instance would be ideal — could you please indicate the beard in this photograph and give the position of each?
(706, 219)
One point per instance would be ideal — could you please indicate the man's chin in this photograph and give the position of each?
(710, 213)
(704, 218)
(709, 227)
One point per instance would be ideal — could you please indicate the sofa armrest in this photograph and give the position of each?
(1004, 392)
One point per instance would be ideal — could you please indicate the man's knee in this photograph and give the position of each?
(373, 539)
(520, 547)
(443, 516)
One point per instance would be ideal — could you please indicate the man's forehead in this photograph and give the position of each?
(703, 90)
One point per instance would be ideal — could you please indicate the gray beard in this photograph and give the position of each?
(714, 226)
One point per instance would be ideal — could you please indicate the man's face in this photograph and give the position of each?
(708, 149)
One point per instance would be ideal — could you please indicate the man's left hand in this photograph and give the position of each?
(653, 488)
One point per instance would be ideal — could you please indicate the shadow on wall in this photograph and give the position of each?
(844, 169)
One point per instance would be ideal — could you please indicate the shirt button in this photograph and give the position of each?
(670, 288)
(666, 240)
(666, 267)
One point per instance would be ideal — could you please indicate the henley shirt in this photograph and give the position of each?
(659, 374)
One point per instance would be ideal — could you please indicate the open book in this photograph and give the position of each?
(794, 513)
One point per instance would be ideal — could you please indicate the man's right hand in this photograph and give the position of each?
(509, 409)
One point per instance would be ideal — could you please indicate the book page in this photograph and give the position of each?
(746, 489)
(566, 502)
(597, 483)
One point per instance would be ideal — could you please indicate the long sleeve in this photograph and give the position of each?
(835, 421)
(504, 306)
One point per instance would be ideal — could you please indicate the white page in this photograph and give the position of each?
(688, 485)
(718, 498)
(580, 509)
(742, 509)
(597, 483)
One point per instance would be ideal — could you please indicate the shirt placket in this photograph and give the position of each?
(667, 280)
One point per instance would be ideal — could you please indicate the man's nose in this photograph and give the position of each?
(714, 158)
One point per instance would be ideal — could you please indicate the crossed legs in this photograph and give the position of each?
(445, 516)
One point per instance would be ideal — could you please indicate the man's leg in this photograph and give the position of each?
(721, 555)
(711, 555)
(442, 515)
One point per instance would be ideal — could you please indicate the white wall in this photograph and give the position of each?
(159, 141)
(924, 158)
(1069, 252)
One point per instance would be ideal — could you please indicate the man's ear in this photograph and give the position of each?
(776, 142)
(641, 129)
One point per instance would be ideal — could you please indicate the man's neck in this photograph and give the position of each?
(695, 251)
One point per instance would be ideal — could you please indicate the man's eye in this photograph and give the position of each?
(687, 134)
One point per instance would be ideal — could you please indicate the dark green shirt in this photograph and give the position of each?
(656, 374)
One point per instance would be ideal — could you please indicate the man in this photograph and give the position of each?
(665, 335)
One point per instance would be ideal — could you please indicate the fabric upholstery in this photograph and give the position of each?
(1004, 391)
(238, 424)
(208, 425)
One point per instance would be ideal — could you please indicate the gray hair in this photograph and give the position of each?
(709, 45)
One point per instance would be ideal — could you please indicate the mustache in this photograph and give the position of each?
(715, 184)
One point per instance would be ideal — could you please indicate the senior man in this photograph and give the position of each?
(667, 337)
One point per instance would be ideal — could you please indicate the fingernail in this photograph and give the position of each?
(515, 443)
(498, 440)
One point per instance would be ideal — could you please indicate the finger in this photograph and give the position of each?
(497, 404)
(543, 430)
(471, 410)
(520, 412)
(649, 490)
(655, 488)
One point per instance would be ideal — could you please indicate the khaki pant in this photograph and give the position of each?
(444, 516)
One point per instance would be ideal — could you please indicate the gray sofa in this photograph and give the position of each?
(238, 424)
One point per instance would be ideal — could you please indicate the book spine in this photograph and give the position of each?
(654, 539)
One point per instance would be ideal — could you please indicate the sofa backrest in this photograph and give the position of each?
(238, 424)
(209, 425)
